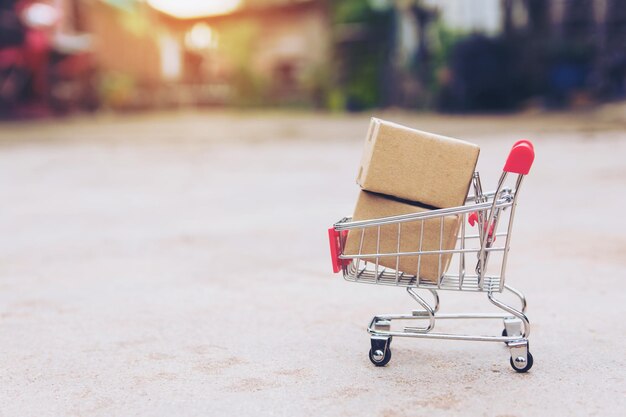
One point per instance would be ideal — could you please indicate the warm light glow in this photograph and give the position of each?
(40, 15)
(185, 9)
(200, 36)
(171, 65)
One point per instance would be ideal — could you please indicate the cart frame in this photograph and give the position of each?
(493, 214)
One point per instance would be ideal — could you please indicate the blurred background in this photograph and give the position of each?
(169, 170)
(62, 56)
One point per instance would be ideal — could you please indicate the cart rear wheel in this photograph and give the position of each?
(526, 368)
(380, 358)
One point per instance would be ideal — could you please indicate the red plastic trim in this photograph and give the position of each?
(520, 158)
(473, 219)
(334, 238)
(524, 141)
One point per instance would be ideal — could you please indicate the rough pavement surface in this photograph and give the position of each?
(177, 265)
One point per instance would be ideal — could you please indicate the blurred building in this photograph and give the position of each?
(127, 46)
(353, 54)
(580, 45)
(160, 53)
(469, 16)
(132, 49)
(553, 52)
(262, 51)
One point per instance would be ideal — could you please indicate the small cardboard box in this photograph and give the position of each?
(374, 206)
(416, 166)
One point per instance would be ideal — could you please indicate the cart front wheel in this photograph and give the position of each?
(521, 367)
(380, 358)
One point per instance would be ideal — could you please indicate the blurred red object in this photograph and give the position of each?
(37, 78)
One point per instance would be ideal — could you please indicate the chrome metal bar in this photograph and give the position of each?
(462, 254)
(377, 251)
(347, 225)
(482, 261)
(419, 255)
(418, 332)
(478, 196)
(380, 275)
(449, 336)
(519, 295)
(426, 252)
(398, 249)
(486, 196)
(478, 236)
(360, 249)
(439, 273)
(427, 308)
(476, 316)
(518, 184)
(513, 311)
(436, 298)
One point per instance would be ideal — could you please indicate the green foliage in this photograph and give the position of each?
(445, 40)
(351, 11)
(237, 42)
(360, 61)
(117, 89)
(336, 100)
(237, 45)
(250, 88)
(363, 87)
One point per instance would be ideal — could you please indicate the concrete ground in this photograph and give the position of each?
(177, 265)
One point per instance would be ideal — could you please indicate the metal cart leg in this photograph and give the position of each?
(525, 331)
(512, 325)
(519, 327)
(380, 327)
(515, 334)
(519, 295)
(428, 312)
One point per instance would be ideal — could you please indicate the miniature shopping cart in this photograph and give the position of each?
(478, 264)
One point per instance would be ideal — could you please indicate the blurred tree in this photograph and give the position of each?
(611, 82)
(483, 76)
(363, 39)
(384, 52)
(238, 46)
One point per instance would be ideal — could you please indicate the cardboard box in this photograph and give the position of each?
(374, 206)
(417, 166)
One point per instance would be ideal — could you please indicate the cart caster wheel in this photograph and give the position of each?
(505, 334)
(523, 367)
(379, 358)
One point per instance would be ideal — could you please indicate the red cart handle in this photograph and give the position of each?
(526, 141)
(334, 238)
(520, 158)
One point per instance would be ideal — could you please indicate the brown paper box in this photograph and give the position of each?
(374, 206)
(416, 166)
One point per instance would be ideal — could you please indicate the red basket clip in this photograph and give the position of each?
(473, 219)
(520, 158)
(334, 238)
